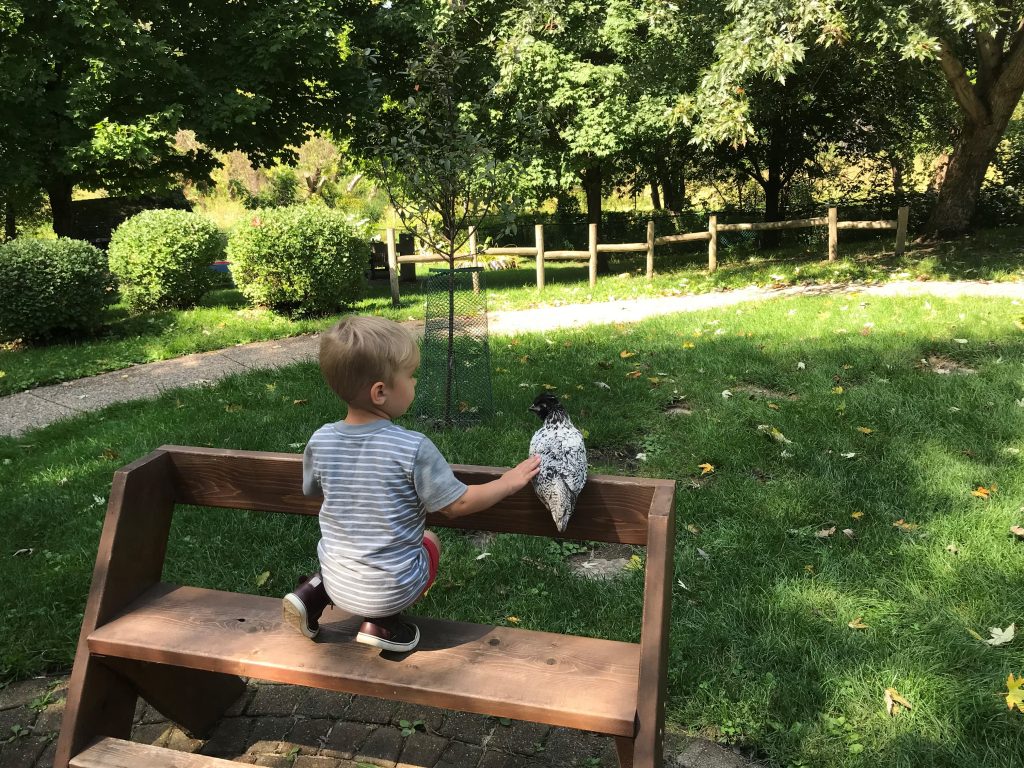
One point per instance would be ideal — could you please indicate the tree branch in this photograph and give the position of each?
(1006, 90)
(963, 90)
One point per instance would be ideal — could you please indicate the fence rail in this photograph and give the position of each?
(538, 252)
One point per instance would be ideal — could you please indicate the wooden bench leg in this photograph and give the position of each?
(130, 559)
(624, 750)
(193, 698)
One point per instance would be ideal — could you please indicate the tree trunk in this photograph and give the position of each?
(958, 195)
(59, 189)
(10, 223)
(592, 187)
(655, 197)
(897, 179)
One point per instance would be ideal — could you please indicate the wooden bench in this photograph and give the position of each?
(183, 649)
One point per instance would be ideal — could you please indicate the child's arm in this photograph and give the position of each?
(479, 497)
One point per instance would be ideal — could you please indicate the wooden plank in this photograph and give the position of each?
(592, 246)
(509, 251)
(393, 266)
(574, 682)
(432, 258)
(886, 224)
(650, 250)
(756, 226)
(833, 234)
(712, 243)
(538, 235)
(610, 508)
(568, 255)
(689, 237)
(902, 220)
(614, 248)
(118, 753)
(657, 617)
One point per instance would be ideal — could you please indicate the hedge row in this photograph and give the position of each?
(300, 260)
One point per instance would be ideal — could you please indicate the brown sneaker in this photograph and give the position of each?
(390, 633)
(302, 608)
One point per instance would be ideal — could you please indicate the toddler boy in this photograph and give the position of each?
(378, 481)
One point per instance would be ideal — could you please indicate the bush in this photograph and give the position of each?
(50, 287)
(305, 260)
(162, 258)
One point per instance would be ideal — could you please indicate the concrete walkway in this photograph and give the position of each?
(45, 405)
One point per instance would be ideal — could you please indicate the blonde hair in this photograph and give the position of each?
(361, 350)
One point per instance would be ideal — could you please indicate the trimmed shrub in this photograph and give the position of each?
(302, 260)
(50, 287)
(162, 258)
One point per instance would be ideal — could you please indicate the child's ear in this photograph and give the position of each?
(378, 393)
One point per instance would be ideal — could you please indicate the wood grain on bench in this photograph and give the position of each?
(118, 753)
(577, 682)
(610, 508)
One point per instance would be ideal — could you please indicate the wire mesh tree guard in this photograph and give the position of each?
(454, 386)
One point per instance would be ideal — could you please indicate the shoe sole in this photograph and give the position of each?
(294, 613)
(389, 645)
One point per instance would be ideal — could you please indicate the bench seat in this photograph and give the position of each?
(564, 680)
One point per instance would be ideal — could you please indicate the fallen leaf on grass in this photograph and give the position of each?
(1015, 692)
(512, 619)
(625, 354)
(801, 366)
(27, 551)
(848, 455)
(856, 515)
(634, 375)
(848, 533)
(858, 623)
(774, 433)
(893, 700)
(109, 454)
(837, 390)
(903, 525)
(1017, 531)
(232, 408)
(981, 492)
(601, 385)
(706, 468)
(1001, 636)
(688, 345)
(482, 555)
(726, 394)
(695, 530)
(865, 430)
(549, 387)
(299, 402)
(953, 549)
(825, 533)
(703, 554)
(262, 578)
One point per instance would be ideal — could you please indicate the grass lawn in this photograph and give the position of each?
(762, 654)
(224, 320)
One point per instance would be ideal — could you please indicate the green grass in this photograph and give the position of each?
(761, 654)
(224, 320)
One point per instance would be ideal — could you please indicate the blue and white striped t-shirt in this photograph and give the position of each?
(378, 481)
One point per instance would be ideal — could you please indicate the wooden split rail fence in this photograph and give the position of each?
(538, 252)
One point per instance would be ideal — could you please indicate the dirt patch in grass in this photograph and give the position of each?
(621, 457)
(603, 562)
(755, 391)
(946, 366)
(677, 406)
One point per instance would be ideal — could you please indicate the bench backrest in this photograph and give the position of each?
(610, 508)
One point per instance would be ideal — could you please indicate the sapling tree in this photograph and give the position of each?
(443, 151)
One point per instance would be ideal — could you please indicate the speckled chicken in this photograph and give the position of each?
(563, 459)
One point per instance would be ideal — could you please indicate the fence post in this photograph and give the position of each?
(712, 243)
(592, 247)
(474, 260)
(393, 266)
(902, 219)
(538, 230)
(833, 233)
(650, 250)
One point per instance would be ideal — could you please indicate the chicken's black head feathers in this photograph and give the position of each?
(546, 404)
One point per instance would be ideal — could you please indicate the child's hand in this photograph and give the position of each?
(517, 477)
